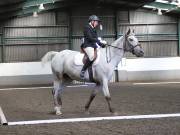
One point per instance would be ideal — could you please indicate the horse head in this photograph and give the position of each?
(132, 44)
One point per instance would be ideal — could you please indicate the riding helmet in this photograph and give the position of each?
(93, 18)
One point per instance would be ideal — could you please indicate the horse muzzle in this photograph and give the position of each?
(140, 54)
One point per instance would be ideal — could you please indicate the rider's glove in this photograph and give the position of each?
(103, 42)
(103, 45)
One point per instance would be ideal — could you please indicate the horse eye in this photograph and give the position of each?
(130, 39)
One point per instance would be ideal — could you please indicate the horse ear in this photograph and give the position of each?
(129, 31)
(133, 31)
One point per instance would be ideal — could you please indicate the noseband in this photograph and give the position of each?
(131, 47)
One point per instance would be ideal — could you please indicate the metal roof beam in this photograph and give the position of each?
(31, 3)
(47, 7)
(25, 5)
(30, 10)
(162, 5)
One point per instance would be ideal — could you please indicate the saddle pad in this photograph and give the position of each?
(79, 58)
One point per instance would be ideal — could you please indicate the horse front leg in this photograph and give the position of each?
(92, 96)
(107, 96)
(57, 97)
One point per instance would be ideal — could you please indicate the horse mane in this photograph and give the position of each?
(115, 43)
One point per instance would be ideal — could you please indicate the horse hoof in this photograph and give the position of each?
(87, 112)
(58, 110)
(58, 113)
(115, 113)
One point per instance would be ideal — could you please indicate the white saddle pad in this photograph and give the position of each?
(78, 59)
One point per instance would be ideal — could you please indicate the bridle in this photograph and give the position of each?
(126, 42)
(131, 47)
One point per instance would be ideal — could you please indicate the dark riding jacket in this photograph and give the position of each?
(90, 37)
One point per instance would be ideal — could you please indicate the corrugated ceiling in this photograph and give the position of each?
(164, 6)
(11, 8)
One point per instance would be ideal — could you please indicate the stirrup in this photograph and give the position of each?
(82, 75)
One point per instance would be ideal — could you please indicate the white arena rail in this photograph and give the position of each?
(139, 69)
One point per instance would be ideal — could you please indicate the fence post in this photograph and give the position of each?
(70, 29)
(178, 51)
(116, 37)
(3, 48)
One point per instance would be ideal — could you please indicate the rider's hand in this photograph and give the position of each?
(103, 45)
(103, 42)
(99, 38)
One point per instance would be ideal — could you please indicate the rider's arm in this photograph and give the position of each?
(92, 38)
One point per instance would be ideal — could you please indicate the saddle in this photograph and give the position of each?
(80, 57)
(79, 60)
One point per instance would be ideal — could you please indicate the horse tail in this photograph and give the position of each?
(48, 57)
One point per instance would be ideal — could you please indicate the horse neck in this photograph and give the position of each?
(117, 54)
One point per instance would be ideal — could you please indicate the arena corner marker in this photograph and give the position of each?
(2, 117)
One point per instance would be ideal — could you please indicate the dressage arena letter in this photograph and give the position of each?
(2, 117)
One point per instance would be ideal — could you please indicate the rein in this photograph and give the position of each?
(109, 60)
(131, 48)
(114, 46)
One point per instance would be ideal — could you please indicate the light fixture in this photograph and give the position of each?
(178, 4)
(159, 12)
(154, 9)
(41, 7)
(100, 27)
(35, 14)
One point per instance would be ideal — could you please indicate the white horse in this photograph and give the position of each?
(64, 68)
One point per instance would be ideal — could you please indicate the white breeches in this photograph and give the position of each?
(90, 53)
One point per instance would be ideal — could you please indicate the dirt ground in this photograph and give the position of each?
(128, 99)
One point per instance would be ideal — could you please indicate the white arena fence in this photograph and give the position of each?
(139, 69)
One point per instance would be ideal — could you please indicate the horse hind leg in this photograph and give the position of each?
(57, 90)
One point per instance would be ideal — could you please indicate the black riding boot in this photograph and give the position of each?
(86, 65)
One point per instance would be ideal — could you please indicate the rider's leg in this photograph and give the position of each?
(90, 54)
(86, 65)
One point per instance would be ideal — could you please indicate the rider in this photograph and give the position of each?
(90, 42)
